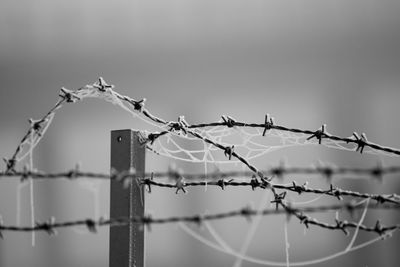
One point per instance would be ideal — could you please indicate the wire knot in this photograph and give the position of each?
(10, 165)
(179, 125)
(319, 134)
(247, 212)
(221, 183)
(148, 182)
(229, 121)
(36, 125)
(380, 199)
(176, 126)
(378, 172)
(342, 226)
(254, 183)
(335, 192)
(73, 174)
(198, 219)
(278, 199)
(265, 181)
(378, 228)
(180, 185)
(151, 137)
(48, 226)
(268, 124)
(361, 141)
(228, 151)
(91, 225)
(26, 173)
(102, 86)
(139, 105)
(304, 219)
(69, 95)
(298, 188)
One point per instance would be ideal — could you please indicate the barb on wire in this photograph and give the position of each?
(181, 126)
(36, 127)
(218, 179)
(138, 105)
(51, 225)
(361, 141)
(102, 86)
(69, 95)
(180, 185)
(376, 172)
(319, 134)
(254, 183)
(229, 121)
(269, 122)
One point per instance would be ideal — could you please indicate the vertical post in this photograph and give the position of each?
(127, 242)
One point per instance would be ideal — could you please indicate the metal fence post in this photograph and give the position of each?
(127, 242)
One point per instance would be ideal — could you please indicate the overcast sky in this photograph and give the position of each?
(305, 62)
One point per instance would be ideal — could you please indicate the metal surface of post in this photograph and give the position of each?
(127, 242)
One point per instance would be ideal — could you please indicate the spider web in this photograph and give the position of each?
(248, 142)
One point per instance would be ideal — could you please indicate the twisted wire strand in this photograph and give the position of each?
(222, 182)
(377, 172)
(314, 134)
(36, 128)
(181, 127)
(361, 142)
(51, 225)
(332, 191)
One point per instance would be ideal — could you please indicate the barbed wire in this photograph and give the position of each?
(36, 127)
(51, 225)
(319, 134)
(328, 171)
(254, 183)
(222, 182)
(181, 127)
(70, 96)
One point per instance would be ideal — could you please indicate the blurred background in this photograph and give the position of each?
(304, 62)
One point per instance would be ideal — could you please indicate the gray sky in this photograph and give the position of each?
(305, 62)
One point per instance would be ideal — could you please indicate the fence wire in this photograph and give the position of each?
(378, 172)
(221, 180)
(254, 178)
(38, 127)
(51, 225)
